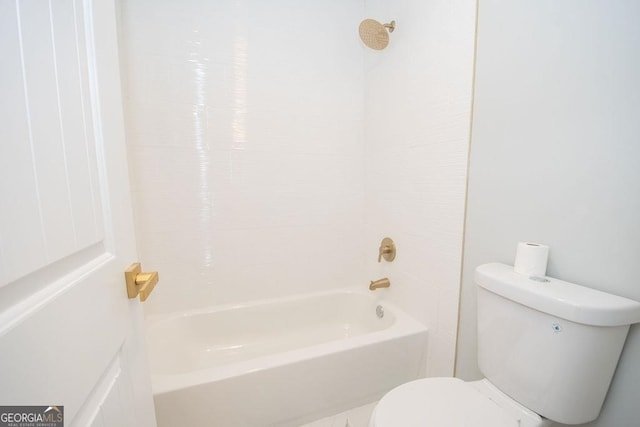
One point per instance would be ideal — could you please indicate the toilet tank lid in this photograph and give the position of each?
(558, 298)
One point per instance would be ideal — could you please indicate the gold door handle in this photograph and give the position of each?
(139, 283)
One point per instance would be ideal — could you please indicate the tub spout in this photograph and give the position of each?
(382, 283)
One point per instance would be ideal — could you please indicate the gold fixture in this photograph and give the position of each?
(139, 283)
(382, 283)
(374, 34)
(390, 26)
(387, 250)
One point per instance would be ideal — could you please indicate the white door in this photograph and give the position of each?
(69, 336)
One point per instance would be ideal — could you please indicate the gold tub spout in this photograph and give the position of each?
(382, 283)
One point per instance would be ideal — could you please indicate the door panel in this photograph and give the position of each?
(49, 160)
(68, 334)
(21, 240)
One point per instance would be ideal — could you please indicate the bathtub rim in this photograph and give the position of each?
(403, 325)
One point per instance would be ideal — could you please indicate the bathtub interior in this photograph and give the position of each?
(188, 342)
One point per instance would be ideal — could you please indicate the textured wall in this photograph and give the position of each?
(417, 110)
(256, 130)
(245, 135)
(554, 157)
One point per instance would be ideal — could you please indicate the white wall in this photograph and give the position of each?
(417, 119)
(245, 133)
(554, 157)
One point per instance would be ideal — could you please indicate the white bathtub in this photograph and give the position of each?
(280, 362)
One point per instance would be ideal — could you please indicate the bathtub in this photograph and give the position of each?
(280, 362)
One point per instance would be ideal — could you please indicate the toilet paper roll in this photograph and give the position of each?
(531, 259)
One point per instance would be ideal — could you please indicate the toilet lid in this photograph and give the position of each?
(439, 402)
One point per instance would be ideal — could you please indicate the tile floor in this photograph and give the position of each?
(356, 417)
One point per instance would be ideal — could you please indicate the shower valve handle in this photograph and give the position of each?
(387, 250)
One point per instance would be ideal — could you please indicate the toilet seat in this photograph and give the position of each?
(450, 402)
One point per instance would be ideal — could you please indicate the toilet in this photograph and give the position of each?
(548, 350)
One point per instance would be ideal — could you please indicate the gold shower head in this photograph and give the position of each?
(374, 34)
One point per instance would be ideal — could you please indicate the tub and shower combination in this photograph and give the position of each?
(280, 362)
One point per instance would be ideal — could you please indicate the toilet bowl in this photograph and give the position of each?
(451, 402)
(547, 348)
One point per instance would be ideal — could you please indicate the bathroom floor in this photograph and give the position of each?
(356, 417)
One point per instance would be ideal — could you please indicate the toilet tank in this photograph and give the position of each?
(551, 345)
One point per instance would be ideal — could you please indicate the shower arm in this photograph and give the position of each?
(390, 26)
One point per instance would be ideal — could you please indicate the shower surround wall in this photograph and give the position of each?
(245, 136)
(417, 124)
(270, 151)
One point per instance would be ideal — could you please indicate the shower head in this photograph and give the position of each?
(374, 34)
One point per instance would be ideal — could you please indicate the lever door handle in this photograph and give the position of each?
(139, 283)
